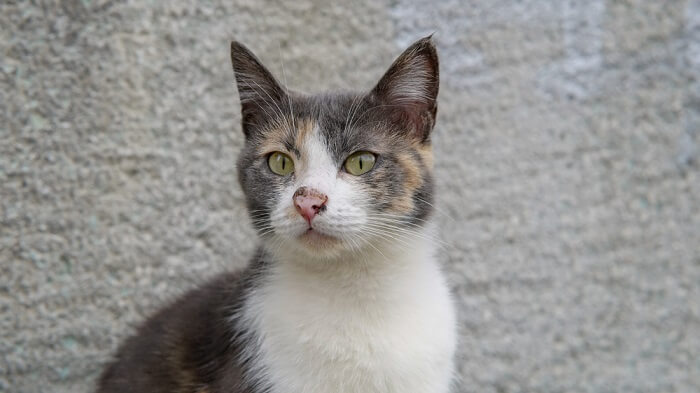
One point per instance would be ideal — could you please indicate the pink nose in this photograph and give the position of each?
(309, 202)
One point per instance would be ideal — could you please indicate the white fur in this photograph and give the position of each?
(361, 326)
(377, 318)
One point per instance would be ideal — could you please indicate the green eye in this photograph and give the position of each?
(280, 163)
(360, 162)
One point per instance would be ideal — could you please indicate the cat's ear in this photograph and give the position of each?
(409, 88)
(258, 90)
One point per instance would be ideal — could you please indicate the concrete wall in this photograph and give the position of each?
(567, 158)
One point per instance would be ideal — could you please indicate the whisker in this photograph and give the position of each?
(289, 98)
(435, 207)
(407, 234)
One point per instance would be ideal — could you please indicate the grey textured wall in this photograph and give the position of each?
(567, 157)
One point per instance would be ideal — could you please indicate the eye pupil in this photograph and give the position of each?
(360, 163)
(284, 163)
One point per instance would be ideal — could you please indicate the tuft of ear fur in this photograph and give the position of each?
(409, 88)
(258, 90)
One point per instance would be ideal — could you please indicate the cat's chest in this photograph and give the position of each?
(343, 334)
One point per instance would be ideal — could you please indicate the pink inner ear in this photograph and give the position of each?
(416, 117)
(409, 89)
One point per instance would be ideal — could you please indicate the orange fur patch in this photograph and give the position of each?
(304, 129)
(413, 179)
(425, 151)
(274, 140)
(276, 135)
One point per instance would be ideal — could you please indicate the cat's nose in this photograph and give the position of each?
(309, 202)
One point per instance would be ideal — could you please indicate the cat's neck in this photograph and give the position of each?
(386, 276)
(334, 318)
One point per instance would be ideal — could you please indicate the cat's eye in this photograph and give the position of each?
(360, 162)
(280, 163)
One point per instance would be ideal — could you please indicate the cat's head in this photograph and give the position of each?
(329, 174)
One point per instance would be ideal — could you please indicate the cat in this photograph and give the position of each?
(344, 294)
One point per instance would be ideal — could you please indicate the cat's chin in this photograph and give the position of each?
(316, 240)
(310, 245)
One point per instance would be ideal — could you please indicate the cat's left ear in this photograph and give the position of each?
(259, 91)
(409, 89)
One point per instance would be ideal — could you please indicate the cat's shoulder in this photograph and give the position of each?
(182, 344)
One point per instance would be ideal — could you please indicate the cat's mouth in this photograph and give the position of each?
(315, 238)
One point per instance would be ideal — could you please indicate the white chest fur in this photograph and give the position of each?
(386, 327)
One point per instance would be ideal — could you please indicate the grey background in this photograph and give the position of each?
(567, 154)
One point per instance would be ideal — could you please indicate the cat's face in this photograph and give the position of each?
(330, 174)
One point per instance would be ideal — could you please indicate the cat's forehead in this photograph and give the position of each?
(342, 122)
(331, 110)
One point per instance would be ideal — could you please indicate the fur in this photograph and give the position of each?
(351, 301)
(387, 326)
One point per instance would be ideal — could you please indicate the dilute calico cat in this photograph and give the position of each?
(344, 293)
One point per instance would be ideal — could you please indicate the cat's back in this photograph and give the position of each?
(188, 346)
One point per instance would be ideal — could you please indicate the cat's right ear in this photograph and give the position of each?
(409, 89)
(259, 91)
